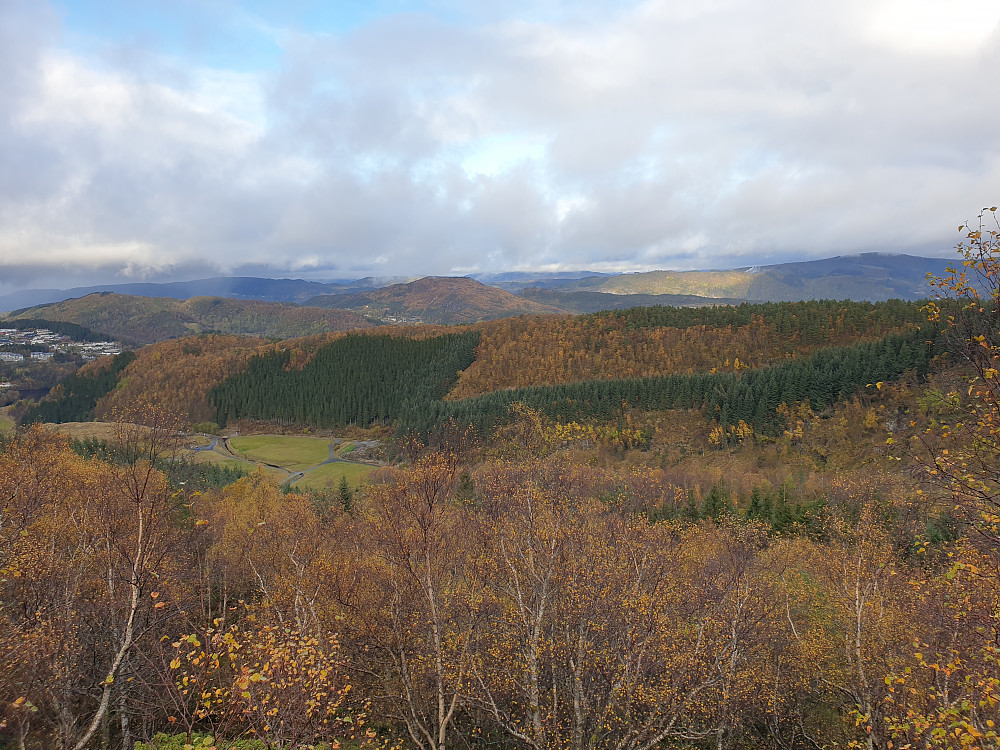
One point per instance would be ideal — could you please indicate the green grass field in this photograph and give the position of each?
(291, 452)
(215, 457)
(6, 423)
(328, 476)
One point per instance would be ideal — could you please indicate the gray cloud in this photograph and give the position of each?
(658, 135)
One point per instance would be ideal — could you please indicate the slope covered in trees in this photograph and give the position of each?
(650, 341)
(302, 381)
(357, 379)
(74, 399)
(146, 320)
(444, 300)
(751, 396)
(580, 301)
(178, 374)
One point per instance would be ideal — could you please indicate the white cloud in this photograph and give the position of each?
(957, 27)
(666, 134)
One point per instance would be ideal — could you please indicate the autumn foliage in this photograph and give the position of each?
(529, 351)
(634, 580)
(539, 602)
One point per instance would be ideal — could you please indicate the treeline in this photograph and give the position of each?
(72, 330)
(180, 472)
(751, 396)
(74, 399)
(809, 320)
(358, 380)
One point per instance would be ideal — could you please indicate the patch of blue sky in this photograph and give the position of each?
(243, 36)
(494, 154)
(205, 34)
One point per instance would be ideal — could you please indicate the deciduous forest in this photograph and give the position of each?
(763, 526)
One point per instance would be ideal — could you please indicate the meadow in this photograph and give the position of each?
(291, 452)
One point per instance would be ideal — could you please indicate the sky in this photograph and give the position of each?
(179, 139)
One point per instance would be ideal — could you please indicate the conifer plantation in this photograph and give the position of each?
(356, 380)
(785, 538)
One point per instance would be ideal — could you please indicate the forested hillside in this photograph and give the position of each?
(355, 380)
(322, 381)
(74, 399)
(751, 397)
(644, 342)
(178, 374)
(442, 300)
(145, 320)
(576, 302)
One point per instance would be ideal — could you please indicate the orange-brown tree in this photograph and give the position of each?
(609, 631)
(81, 575)
(416, 621)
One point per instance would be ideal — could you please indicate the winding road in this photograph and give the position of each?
(293, 476)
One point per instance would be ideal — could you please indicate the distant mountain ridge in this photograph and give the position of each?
(868, 277)
(297, 291)
(235, 287)
(865, 277)
(446, 300)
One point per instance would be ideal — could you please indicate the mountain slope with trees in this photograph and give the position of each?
(146, 320)
(358, 380)
(869, 276)
(442, 300)
(644, 342)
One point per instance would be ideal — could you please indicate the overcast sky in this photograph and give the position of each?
(171, 139)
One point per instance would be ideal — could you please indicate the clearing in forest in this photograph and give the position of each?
(291, 452)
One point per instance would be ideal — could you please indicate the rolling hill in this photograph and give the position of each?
(145, 320)
(449, 300)
(435, 299)
(235, 287)
(580, 301)
(866, 277)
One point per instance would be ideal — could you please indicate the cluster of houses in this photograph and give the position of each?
(45, 343)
